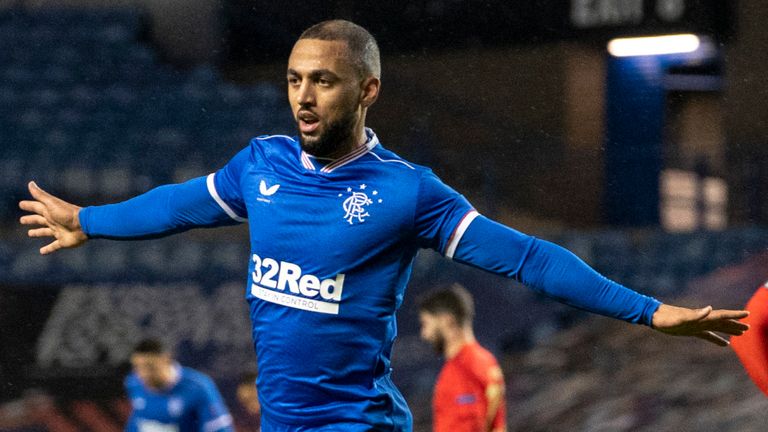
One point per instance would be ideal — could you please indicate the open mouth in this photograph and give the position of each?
(308, 122)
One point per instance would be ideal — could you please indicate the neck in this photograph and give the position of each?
(356, 140)
(456, 340)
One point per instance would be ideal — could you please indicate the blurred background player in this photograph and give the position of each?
(752, 346)
(248, 397)
(469, 394)
(167, 397)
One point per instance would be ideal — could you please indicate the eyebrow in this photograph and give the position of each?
(315, 73)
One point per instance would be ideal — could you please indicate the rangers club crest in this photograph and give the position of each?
(356, 204)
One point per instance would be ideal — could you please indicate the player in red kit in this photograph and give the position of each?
(469, 394)
(752, 346)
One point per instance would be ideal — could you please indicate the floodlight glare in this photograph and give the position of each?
(653, 45)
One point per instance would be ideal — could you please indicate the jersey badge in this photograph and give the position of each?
(356, 202)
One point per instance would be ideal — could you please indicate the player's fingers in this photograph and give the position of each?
(711, 337)
(730, 332)
(40, 232)
(729, 314)
(38, 193)
(50, 248)
(32, 206)
(33, 220)
(730, 326)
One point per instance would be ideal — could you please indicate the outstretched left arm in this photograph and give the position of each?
(558, 273)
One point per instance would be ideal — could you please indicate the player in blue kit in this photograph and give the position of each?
(167, 397)
(335, 222)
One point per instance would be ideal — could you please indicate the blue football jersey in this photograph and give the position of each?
(332, 246)
(191, 404)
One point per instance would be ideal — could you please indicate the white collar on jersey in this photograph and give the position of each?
(371, 142)
(176, 377)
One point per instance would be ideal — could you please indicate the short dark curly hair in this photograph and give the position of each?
(150, 346)
(363, 48)
(456, 301)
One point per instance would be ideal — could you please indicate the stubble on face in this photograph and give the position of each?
(431, 331)
(438, 342)
(328, 142)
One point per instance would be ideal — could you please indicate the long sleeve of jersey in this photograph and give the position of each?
(752, 346)
(211, 411)
(551, 270)
(160, 212)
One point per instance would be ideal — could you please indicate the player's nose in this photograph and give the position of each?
(305, 95)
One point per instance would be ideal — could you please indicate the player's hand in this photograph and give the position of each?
(701, 323)
(55, 217)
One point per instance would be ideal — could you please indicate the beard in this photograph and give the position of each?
(154, 383)
(438, 342)
(328, 142)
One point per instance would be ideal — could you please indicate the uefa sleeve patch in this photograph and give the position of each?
(466, 399)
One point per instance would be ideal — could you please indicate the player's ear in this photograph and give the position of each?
(369, 91)
(446, 320)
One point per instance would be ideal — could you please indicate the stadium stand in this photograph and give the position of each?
(88, 106)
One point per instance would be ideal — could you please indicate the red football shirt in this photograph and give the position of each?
(752, 346)
(460, 403)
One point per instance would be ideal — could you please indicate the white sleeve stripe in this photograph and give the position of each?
(458, 233)
(227, 209)
(218, 423)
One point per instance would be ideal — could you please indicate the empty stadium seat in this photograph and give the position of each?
(78, 87)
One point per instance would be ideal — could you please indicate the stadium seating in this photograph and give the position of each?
(88, 109)
(83, 100)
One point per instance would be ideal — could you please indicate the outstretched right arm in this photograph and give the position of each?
(160, 212)
(209, 201)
